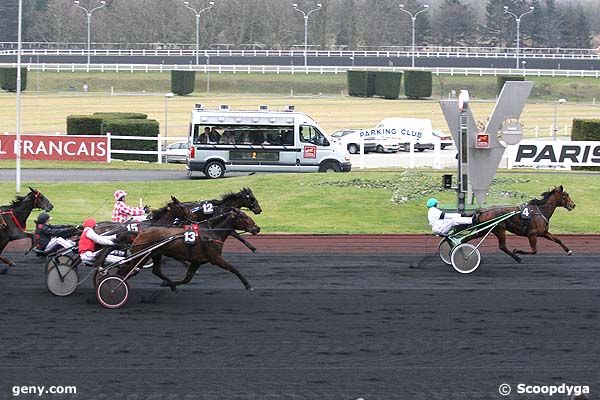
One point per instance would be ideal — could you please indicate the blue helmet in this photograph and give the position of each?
(432, 202)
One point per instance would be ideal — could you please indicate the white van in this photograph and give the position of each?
(260, 141)
(404, 130)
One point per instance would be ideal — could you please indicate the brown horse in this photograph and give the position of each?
(15, 216)
(540, 212)
(197, 244)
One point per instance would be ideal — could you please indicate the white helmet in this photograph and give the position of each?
(119, 194)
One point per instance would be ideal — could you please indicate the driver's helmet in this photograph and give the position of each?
(119, 194)
(43, 218)
(432, 202)
(89, 223)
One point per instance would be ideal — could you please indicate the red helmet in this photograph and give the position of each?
(119, 194)
(89, 223)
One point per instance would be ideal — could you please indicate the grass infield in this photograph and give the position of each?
(358, 202)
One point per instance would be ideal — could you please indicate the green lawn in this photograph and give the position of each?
(357, 202)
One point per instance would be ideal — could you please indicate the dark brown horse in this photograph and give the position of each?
(539, 210)
(196, 244)
(15, 218)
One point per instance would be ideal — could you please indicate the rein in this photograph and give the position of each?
(14, 219)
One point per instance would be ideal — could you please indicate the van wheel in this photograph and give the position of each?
(380, 149)
(214, 170)
(329, 166)
(420, 150)
(353, 148)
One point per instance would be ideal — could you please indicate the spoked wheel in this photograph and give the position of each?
(445, 250)
(465, 258)
(62, 279)
(101, 274)
(112, 292)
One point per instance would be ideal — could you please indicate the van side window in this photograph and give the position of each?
(310, 134)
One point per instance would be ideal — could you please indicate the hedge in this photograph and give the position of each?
(120, 115)
(8, 79)
(361, 83)
(183, 82)
(584, 130)
(84, 125)
(417, 84)
(132, 127)
(502, 79)
(387, 84)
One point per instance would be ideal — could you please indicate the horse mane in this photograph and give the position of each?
(158, 213)
(18, 200)
(545, 196)
(229, 196)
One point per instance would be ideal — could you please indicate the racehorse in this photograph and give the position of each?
(15, 218)
(541, 210)
(205, 209)
(207, 245)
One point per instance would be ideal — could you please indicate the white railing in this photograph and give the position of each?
(297, 69)
(160, 140)
(402, 52)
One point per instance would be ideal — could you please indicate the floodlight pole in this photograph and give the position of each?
(18, 138)
(518, 19)
(413, 18)
(89, 23)
(211, 4)
(306, 15)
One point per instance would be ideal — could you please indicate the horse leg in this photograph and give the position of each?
(156, 270)
(188, 276)
(5, 260)
(501, 235)
(220, 262)
(532, 244)
(550, 236)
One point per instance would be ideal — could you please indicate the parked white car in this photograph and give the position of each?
(350, 140)
(176, 152)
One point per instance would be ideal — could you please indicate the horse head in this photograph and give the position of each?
(251, 201)
(564, 200)
(179, 211)
(39, 200)
(242, 222)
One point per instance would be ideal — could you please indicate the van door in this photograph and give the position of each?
(314, 146)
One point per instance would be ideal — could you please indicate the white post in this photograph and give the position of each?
(437, 154)
(361, 144)
(411, 156)
(108, 148)
(18, 138)
(159, 143)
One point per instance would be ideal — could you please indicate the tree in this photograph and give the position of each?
(9, 17)
(455, 24)
(575, 30)
(551, 24)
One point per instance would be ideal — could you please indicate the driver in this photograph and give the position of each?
(122, 212)
(441, 222)
(88, 249)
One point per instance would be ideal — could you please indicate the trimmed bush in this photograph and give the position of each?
(361, 83)
(8, 79)
(120, 115)
(183, 82)
(387, 84)
(132, 127)
(502, 79)
(84, 125)
(586, 130)
(417, 84)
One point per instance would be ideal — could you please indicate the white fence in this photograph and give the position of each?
(296, 69)
(160, 140)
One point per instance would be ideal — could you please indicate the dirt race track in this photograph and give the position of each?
(331, 317)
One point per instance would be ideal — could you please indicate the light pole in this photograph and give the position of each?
(306, 15)
(167, 97)
(211, 4)
(18, 138)
(518, 19)
(89, 23)
(413, 17)
(555, 128)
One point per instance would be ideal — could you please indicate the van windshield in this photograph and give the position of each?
(310, 134)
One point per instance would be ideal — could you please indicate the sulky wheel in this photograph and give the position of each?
(445, 250)
(64, 259)
(100, 274)
(465, 258)
(62, 279)
(112, 292)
